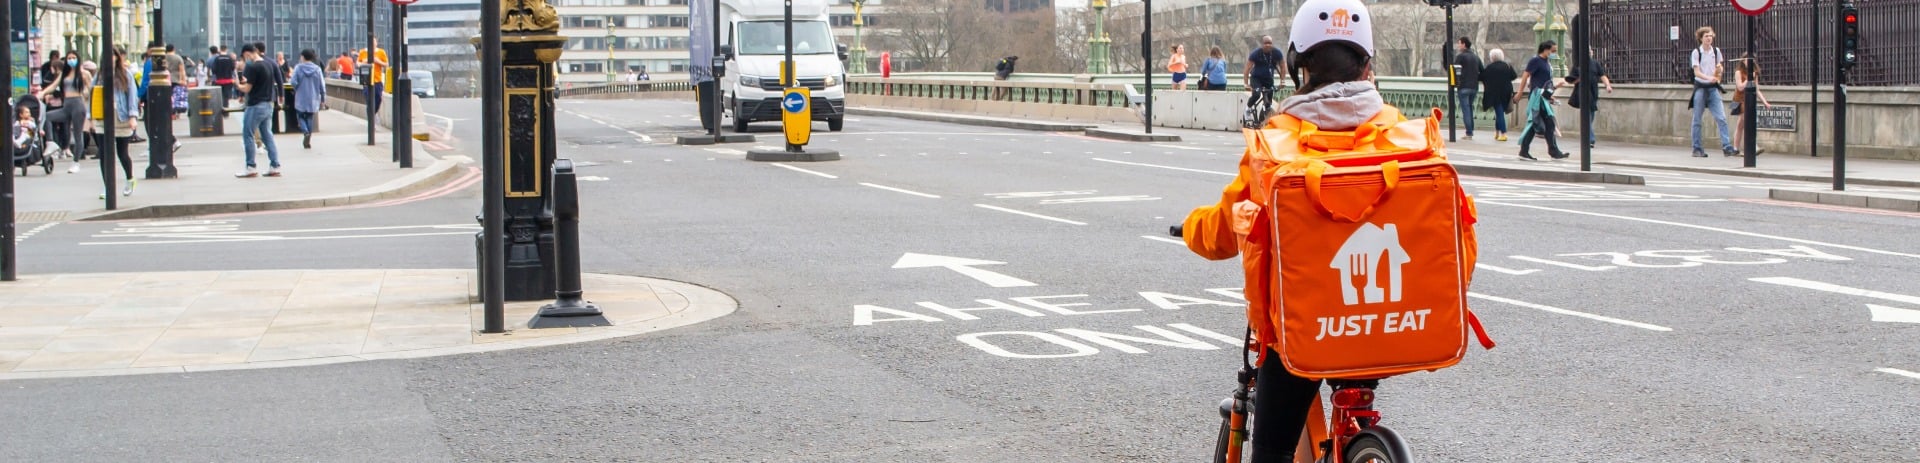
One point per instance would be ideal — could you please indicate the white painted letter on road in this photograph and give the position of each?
(975, 340)
(863, 315)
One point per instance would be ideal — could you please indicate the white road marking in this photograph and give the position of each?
(1897, 371)
(897, 190)
(34, 231)
(1040, 194)
(1164, 239)
(1100, 199)
(1030, 214)
(1707, 228)
(1561, 311)
(643, 137)
(1884, 314)
(1506, 270)
(727, 151)
(797, 169)
(1178, 147)
(1229, 174)
(1833, 288)
(594, 178)
(1664, 200)
(964, 266)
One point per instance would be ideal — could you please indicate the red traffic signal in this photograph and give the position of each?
(1852, 18)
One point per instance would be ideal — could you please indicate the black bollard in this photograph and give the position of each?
(568, 308)
(159, 117)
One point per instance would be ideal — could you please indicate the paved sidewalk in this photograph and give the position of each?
(1777, 166)
(171, 322)
(339, 169)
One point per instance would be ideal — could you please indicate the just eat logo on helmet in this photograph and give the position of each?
(1340, 22)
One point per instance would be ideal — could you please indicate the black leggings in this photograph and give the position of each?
(126, 159)
(1279, 410)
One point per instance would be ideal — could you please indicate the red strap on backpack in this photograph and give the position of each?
(1479, 331)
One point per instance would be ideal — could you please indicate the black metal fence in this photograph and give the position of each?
(1634, 39)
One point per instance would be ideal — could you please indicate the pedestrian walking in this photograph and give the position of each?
(1746, 78)
(124, 109)
(1538, 79)
(177, 72)
(220, 68)
(1497, 82)
(1213, 71)
(1592, 71)
(257, 83)
(66, 102)
(343, 66)
(1177, 65)
(1707, 68)
(1466, 80)
(377, 57)
(309, 90)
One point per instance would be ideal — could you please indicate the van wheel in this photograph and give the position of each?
(835, 124)
(739, 120)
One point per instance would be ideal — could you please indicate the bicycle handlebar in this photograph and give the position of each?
(1175, 231)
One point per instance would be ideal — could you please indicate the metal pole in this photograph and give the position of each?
(1146, 54)
(1839, 100)
(9, 270)
(787, 77)
(717, 62)
(1813, 78)
(1748, 123)
(107, 122)
(1587, 88)
(371, 91)
(1446, 62)
(493, 283)
(402, 90)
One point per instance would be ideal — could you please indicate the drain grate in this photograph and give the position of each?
(40, 216)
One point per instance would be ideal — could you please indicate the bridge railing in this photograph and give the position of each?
(624, 88)
(1060, 93)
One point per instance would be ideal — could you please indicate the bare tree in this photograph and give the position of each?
(456, 75)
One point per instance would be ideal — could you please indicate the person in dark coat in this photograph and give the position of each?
(1497, 90)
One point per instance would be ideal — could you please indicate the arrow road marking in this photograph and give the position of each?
(964, 266)
(1883, 313)
(1833, 288)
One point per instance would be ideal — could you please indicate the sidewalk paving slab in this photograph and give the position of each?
(340, 169)
(171, 322)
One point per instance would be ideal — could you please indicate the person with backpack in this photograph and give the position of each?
(1707, 66)
(1003, 70)
(220, 68)
(1344, 233)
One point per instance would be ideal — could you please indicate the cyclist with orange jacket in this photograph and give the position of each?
(1329, 56)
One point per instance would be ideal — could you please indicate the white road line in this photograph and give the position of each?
(1229, 174)
(1030, 214)
(1506, 270)
(897, 190)
(226, 233)
(1897, 371)
(1837, 289)
(1664, 200)
(1561, 311)
(1178, 147)
(727, 151)
(1165, 239)
(797, 169)
(1707, 228)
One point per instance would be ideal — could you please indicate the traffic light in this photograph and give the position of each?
(1849, 35)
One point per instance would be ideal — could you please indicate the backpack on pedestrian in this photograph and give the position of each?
(1380, 214)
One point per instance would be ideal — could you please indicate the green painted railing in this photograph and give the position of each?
(625, 87)
(991, 90)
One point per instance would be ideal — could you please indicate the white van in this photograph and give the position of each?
(422, 83)
(754, 43)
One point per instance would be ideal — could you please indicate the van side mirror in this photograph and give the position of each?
(727, 52)
(842, 49)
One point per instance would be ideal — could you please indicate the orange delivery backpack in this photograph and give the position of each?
(1373, 243)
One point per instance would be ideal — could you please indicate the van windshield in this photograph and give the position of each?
(769, 38)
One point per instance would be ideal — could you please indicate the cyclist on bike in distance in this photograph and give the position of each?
(1259, 73)
(1329, 56)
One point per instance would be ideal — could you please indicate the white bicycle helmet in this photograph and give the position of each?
(1322, 22)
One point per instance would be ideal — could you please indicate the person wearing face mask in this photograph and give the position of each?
(1539, 82)
(67, 107)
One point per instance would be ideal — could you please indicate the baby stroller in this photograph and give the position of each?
(34, 151)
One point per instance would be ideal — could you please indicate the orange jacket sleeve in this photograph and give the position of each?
(1208, 230)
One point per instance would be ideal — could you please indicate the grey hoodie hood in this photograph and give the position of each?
(1338, 107)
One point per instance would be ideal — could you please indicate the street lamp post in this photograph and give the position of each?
(610, 49)
(1098, 42)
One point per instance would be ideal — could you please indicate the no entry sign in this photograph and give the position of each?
(1752, 7)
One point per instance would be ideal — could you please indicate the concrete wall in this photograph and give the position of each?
(1033, 111)
(1881, 122)
(356, 109)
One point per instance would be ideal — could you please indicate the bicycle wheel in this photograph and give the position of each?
(1369, 449)
(1220, 443)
